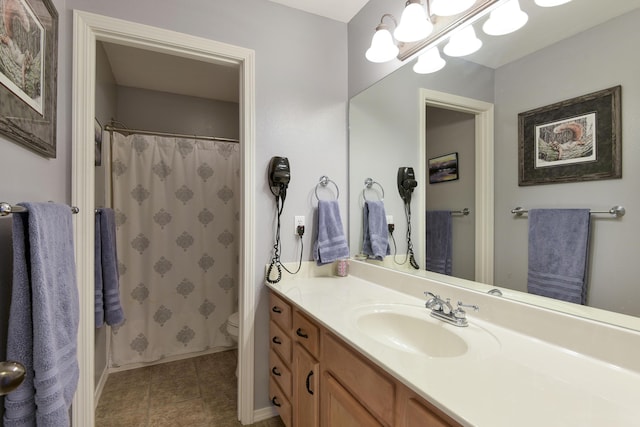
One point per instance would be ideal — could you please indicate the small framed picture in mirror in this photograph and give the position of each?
(443, 168)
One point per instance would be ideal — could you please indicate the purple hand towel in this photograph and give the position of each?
(375, 240)
(43, 318)
(331, 243)
(108, 269)
(558, 253)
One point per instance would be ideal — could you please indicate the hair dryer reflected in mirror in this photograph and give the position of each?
(406, 183)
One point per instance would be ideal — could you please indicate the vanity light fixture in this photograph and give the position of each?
(551, 3)
(420, 31)
(382, 48)
(414, 23)
(429, 62)
(463, 42)
(505, 19)
(450, 7)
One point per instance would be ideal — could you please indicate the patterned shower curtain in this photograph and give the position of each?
(177, 217)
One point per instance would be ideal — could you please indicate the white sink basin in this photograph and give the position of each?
(411, 329)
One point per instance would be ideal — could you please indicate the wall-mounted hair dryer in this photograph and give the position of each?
(406, 183)
(279, 176)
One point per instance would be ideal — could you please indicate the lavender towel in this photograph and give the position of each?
(331, 243)
(43, 319)
(439, 242)
(107, 285)
(376, 240)
(558, 253)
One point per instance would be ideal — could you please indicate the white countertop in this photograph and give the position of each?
(508, 379)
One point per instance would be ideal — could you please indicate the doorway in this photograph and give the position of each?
(483, 113)
(88, 29)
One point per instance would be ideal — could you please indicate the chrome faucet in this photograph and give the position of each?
(443, 310)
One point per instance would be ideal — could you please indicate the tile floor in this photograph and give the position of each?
(197, 392)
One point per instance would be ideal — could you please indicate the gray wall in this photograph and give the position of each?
(301, 96)
(167, 112)
(596, 59)
(448, 132)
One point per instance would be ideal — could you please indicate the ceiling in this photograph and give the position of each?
(339, 10)
(150, 70)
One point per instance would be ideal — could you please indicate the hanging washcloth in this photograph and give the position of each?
(439, 242)
(376, 241)
(558, 252)
(107, 291)
(43, 318)
(331, 243)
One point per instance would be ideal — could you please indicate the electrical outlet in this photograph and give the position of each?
(298, 222)
(389, 219)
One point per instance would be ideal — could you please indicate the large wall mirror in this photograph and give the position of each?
(404, 119)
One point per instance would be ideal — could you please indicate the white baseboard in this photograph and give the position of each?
(100, 387)
(264, 414)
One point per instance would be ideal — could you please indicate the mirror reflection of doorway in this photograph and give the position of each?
(449, 131)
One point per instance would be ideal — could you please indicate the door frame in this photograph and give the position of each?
(484, 148)
(87, 29)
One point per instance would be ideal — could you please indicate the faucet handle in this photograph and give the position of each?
(475, 307)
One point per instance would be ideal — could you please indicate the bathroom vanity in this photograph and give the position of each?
(319, 379)
(364, 350)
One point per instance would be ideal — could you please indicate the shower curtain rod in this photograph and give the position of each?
(110, 128)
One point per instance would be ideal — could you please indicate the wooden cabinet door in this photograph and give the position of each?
(341, 409)
(306, 409)
(414, 411)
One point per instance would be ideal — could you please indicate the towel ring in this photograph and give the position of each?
(368, 183)
(324, 181)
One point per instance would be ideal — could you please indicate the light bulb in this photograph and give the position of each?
(429, 62)
(450, 7)
(551, 3)
(414, 24)
(463, 42)
(382, 47)
(505, 19)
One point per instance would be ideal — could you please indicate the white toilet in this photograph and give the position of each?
(232, 326)
(233, 321)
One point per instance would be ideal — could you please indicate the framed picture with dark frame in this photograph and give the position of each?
(443, 168)
(28, 73)
(574, 140)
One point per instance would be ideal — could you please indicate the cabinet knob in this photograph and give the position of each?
(274, 400)
(276, 309)
(301, 334)
(276, 340)
(275, 372)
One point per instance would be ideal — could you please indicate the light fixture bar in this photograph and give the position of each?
(445, 26)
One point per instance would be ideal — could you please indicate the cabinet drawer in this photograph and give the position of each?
(361, 378)
(280, 341)
(280, 373)
(306, 333)
(280, 311)
(280, 401)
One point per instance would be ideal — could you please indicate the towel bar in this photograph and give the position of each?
(368, 183)
(324, 181)
(616, 211)
(8, 209)
(464, 212)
